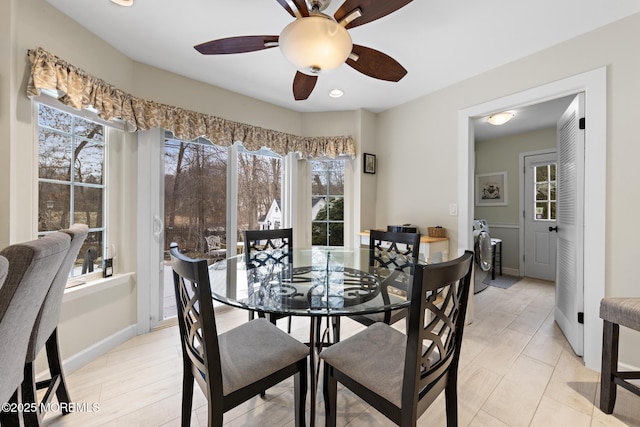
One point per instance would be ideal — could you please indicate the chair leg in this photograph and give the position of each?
(451, 400)
(12, 418)
(187, 395)
(610, 336)
(336, 329)
(330, 392)
(29, 396)
(55, 368)
(300, 393)
(289, 327)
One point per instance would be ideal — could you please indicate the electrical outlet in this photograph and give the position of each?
(453, 209)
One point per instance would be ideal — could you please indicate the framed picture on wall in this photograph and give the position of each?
(369, 163)
(491, 189)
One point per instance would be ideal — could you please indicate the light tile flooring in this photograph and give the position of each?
(516, 369)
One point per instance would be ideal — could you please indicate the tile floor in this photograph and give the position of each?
(516, 369)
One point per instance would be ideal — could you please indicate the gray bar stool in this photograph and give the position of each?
(616, 312)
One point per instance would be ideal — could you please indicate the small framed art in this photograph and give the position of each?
(491, 189)
(369, 163)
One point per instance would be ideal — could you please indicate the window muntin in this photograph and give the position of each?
(327, 202)
(71, 180)
(545, 192)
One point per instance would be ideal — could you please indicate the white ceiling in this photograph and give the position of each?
(438, 42)
(525, 119)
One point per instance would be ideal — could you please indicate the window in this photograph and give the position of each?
(196, 199)
(71, 180)
(545, 191)
(327, 202)
(259, 190)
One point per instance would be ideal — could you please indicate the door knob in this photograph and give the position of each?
(553, 229)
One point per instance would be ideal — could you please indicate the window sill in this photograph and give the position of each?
(98, 285)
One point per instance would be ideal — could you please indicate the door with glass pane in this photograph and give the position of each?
(327, 202)
(195, 205)
(540, 216)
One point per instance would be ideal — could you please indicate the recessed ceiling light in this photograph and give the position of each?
(500, 118)
(336, 93)
(123, 2)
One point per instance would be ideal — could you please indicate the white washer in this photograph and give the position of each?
(483, 254)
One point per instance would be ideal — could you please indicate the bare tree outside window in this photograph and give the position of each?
(71, 184)
(195, 184)
(259, 189)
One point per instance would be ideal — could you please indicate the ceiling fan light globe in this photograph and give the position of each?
(315, 44)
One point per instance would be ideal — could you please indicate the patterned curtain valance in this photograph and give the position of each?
(80, 90)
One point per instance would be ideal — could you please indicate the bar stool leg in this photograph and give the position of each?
(610, 337)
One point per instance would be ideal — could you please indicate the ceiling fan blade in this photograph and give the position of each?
(375, 64)
(370, 10)
(239, 44)
(300, 6)
(303, 85)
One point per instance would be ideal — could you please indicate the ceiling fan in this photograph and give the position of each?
(316, 42)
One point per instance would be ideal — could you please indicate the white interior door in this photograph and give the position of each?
(570, 220)
(540, 216)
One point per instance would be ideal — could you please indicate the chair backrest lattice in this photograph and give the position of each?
(393, 251)
(264, 247)
(436, 323)
(196, 321)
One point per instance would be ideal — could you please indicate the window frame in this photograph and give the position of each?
(328, 196)
(47, 99)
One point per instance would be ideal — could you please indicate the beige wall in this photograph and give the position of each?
(427, 129)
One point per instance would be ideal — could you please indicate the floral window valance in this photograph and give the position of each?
(80, 90)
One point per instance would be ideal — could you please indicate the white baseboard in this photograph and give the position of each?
(510, 271)
(78, 360)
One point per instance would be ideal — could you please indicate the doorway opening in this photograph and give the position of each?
(593, 83)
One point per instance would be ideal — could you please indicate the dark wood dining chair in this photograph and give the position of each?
(45, 335)
(262, 247)
(32, 267)
(401, 375)
(391, 252)
(237, 365)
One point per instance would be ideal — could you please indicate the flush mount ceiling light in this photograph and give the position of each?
(126, 3)
(500, 118)
(336, 93)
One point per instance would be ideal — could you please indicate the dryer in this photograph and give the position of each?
(483, 254)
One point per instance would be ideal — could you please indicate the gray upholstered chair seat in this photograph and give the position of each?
(4, 268)
(623, 311)
(387, 361)
(235, 366)
(399, 374)
(243, 365)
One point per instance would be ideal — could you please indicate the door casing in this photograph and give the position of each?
(594, 84)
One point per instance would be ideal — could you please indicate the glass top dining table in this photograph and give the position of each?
(320, 281)
(316, 282)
